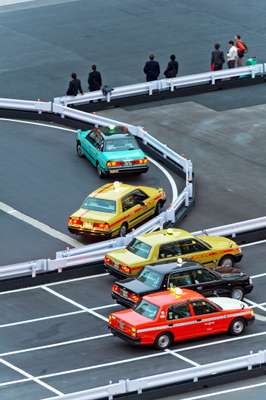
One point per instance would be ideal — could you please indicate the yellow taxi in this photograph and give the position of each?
(115, 208)
(168, 245)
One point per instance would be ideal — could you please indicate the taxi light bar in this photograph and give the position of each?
(114, 163)
(101, 225)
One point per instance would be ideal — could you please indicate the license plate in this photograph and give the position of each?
(124, 293)
(127, 163)
(121, 325)
(114, 171)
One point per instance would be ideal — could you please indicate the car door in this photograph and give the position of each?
(168, 252)
(92, 146)
(192, 249)
(181, 322)
(130, 209)
(208, 317)
(208, 283)
(180, 279)
(144, 209)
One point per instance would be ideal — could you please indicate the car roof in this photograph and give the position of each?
(165, 236)
(112, 191)
(174, 266)
(168, 297)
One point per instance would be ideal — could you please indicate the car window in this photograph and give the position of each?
(180, 279)
(169, 250)
(150, 278)
(94, 204)
(201, 307)
(95, 138)
(191, 246)
(120, 144)
(139, 195)
(203, 275)
(128, 202)
(139, 248)
(147, 309)
(178, 311)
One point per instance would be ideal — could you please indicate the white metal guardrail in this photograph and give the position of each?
(163, 85)
(192, 374)
(26, 105)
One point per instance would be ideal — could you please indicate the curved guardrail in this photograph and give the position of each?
(161, 85)
(193, 374)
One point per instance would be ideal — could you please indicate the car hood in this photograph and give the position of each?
(218, 242)
(123, 155)
(226, 303)
(126, 257)
(135, 286)
(90, 215)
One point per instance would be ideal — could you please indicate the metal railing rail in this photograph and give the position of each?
(193, 374)
(26, 105)
(163, 85)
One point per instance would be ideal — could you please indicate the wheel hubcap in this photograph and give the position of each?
(163, 341)
(80, 153)
(237, 294)
(238, 327)
(227, 263)
(123, 231)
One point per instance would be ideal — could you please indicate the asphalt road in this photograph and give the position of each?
(58, 334)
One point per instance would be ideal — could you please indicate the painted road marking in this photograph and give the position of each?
(74, 303)
(33, 378)
(180, 357)
(39, 225)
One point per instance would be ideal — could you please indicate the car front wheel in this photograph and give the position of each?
(163, 341)
(237, 327)
(79, 150)
(227, 262)
(237, 293)
(123, 230)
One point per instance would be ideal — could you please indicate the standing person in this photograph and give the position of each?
(172, 68)
(231, 55)
(94, 79)
(151, 69)
(74, 86)
(217, 58)
(241, 50)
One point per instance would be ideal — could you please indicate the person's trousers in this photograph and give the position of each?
(231, 64)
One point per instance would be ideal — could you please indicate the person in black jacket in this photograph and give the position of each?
(217, 58)
(151, 69)
(94, 79)
(74, 86)
(172, 68)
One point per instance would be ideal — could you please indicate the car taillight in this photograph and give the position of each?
(101, 225)
(107, 260)
(134, 297)
(75, 221)
(114, 163)
(124, 268)
(115, 288)
(141, 161)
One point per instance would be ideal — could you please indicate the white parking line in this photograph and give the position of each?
(54, 345)
(74, 303)
(29, 321)
(39, 225)
(8, 383)
(33, 378)
(227, 391)
(106, 306)
(180, 357)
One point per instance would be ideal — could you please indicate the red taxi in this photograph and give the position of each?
(163, 318)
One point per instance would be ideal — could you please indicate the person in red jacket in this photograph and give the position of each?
(241, 50)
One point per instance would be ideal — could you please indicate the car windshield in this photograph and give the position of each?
(139, 248)
(151, 278)
(147, 309)
(120, 144)
(102, 205)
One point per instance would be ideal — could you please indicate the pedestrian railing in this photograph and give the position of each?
(26, 105)
(149, 88)
(194, 374)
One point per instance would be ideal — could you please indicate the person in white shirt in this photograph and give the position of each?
(232, 55)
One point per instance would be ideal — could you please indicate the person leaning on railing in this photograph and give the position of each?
(232, 55)
(74, 86)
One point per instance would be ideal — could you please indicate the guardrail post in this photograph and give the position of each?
(187, 198)
(213, 79)
(150, 90)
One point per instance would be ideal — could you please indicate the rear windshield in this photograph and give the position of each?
(151, 278)
(139, 248)
(127, 143)
(147, 309)
(94, 204)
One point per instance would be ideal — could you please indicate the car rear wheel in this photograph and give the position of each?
(99, 170)
(227, 262)
(79, 150)
(237, 327)
(237, 293)
(123, 230)
(163, 341)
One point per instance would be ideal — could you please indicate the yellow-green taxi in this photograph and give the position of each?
(168, 245)
(115, 208)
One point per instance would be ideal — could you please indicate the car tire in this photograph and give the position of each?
(237, 327)
(99, 170)
(79, 150)
(158, 208)
(226, 262)
(237, 293)
(163, 341)
(123, 230)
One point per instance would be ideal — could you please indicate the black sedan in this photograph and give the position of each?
(189, 275)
